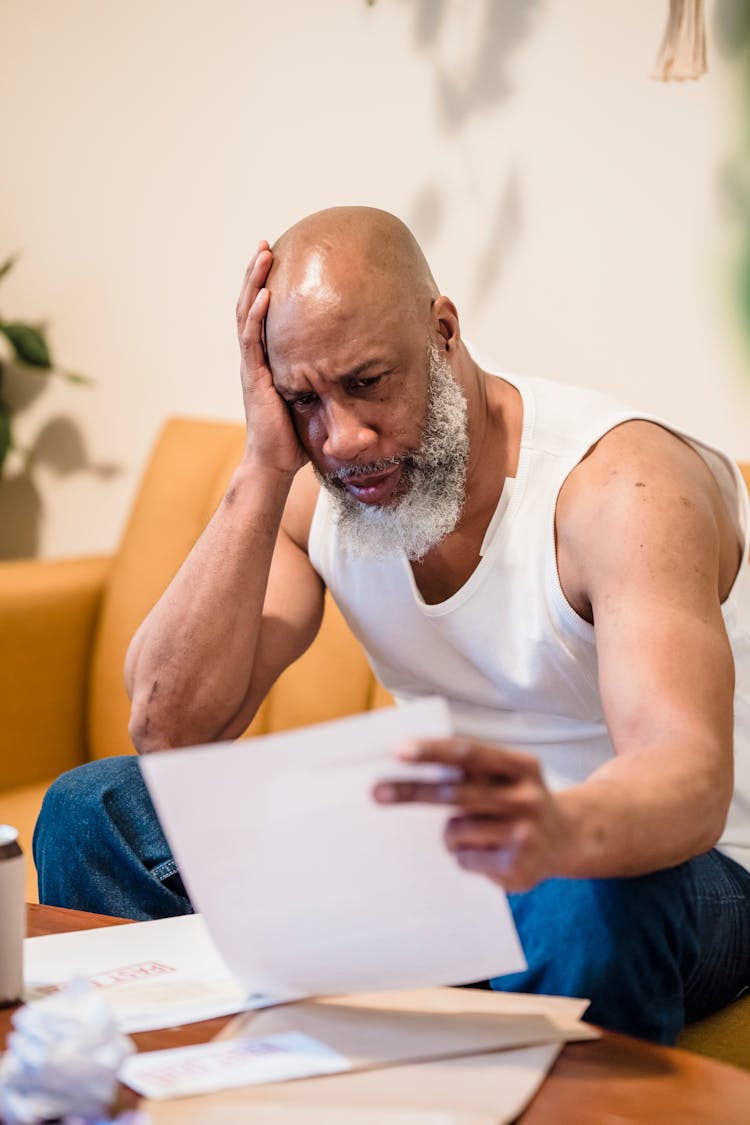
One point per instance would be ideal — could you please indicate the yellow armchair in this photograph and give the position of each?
(48, 612)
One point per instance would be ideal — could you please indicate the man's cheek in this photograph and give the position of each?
(307, 432)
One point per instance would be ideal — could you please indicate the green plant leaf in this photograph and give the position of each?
(8, 265)
(28, 343)
(5, 432)
(76, 377)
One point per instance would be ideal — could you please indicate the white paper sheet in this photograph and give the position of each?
(490, 1089)
(307, 885)
(152, 974)
(227, 1064)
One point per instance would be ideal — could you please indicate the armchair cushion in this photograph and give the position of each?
(725, 1035)
(48, 612)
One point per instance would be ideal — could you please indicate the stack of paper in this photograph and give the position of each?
(152, 974)
(308, 888)
(428, 1057)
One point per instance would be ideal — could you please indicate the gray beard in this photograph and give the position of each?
(434, 478)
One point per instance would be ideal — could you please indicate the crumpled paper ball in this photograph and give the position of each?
(62, 1059)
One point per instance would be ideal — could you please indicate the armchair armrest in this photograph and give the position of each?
(48, 612)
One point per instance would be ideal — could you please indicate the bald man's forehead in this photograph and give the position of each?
(335, 336)
(317, 271)
(306, 277)
(329, 296)
(328, 309)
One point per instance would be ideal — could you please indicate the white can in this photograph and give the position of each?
(12, 916)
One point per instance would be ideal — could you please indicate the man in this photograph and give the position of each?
(569, 575)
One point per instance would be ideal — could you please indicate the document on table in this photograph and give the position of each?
(225, 1065)
(306, 884)
(471, 1070)
(490, 1089)
(152, 974)
(337, 1035)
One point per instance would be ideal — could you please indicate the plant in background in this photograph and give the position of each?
(30, 356)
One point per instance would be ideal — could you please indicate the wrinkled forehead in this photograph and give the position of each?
(323, 301)
(318, 277)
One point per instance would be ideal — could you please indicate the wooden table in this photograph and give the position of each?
(613, 1081)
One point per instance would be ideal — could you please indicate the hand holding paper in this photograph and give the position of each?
(506, 822)
(307, 884)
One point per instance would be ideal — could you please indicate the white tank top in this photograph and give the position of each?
(516, 663)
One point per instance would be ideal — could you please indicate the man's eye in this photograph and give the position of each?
(362, 384)
(303, 402)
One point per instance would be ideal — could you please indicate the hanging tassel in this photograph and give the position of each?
(683, 50)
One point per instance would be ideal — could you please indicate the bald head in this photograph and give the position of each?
(351, 254)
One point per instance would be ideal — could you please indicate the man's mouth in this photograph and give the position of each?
(371, 487)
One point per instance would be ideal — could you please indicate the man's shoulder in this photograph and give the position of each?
(641, 487)
(641, 497)
(635, 454)
(643, 442)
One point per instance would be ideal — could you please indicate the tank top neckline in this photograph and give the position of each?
(507, 505)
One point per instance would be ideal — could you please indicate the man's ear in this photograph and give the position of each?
(445, 323)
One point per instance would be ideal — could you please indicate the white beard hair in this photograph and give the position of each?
(433, 501)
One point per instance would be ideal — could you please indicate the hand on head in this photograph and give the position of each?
(271, 437)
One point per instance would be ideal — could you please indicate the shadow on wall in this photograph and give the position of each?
(731, 39)
(58, 446)
(472, 64)
(472, 71)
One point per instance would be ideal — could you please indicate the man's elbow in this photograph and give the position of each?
(712, 823)
(145, 733)
(152, 726)
(710, 836)
(158, 724)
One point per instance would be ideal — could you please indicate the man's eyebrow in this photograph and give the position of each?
(353, 372)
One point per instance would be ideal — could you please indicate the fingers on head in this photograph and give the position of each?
(255, 274)
(250, 326)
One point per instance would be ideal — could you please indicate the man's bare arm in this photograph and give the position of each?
(655, 553)
(246, 601)
(651, 569)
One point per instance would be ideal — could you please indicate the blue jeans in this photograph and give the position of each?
(652, 952)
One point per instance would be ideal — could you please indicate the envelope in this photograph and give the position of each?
(488, 1089)
(382, 1033)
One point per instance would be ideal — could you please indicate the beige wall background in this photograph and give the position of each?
(576, 211)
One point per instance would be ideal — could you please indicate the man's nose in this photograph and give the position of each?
(347, 435)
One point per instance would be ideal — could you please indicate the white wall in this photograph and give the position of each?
(572, 207)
